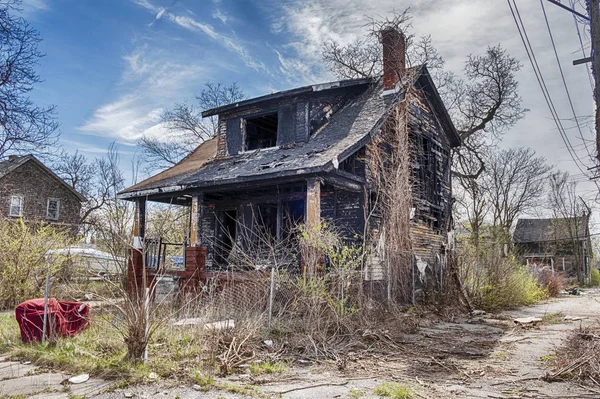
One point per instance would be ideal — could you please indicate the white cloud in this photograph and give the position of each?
(218, 14)
(150, 82)
(232, 43)
(31, 6)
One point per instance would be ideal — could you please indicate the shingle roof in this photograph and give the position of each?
(339, 138)
(547, 230)
(347, 130)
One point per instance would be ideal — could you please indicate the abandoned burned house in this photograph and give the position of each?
(30, 190)
(301, 156)
(563, 244)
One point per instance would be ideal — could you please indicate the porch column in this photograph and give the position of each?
(313, 202)
(136, 276)
(196, 219)
(139, 222)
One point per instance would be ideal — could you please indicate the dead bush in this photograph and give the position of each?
(579, 358)
(553, 282)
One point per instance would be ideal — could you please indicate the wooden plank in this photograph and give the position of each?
(313, 202)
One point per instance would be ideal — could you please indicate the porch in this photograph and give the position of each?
(237, 233)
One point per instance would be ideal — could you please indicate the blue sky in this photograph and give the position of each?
(112, 66)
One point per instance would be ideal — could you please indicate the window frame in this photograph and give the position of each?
(21, 205)
(244, 125)
(57, 208)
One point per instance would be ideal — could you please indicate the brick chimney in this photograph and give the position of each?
(394, 57)
(12, 157)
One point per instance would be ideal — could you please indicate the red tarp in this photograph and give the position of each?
(65, 319)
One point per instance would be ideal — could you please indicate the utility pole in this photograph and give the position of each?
(593, 8)
(593, 11)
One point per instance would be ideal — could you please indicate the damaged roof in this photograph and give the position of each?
(548, 230)
(347, 130)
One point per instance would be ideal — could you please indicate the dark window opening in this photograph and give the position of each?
(226, 235)
(267, 220)
(293, 215)
(261, 132)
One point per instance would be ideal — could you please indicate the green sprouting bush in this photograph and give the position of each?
(595, 280)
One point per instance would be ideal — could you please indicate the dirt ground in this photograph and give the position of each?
(487, 356)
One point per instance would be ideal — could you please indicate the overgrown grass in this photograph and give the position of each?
(393, 390)
(267, 367)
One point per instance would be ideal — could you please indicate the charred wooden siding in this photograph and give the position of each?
(432, 189)
(345, 210)
(298, 118)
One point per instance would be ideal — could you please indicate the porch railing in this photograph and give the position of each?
(162, 256)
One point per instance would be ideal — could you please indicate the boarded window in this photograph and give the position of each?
(53, 209)
(16, 205)
(261, 131)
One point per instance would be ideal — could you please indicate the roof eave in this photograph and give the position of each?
(287, 93)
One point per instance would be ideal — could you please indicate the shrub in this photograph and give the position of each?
(493, 281)
(595, 280)
(553, 282)
(26, 260)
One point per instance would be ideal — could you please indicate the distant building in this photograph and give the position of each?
(561, 243)
(30, 190)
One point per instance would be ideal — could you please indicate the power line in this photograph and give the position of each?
(589, 72)
(538, 74)
(562, 75)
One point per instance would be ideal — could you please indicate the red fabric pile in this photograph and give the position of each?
(65, 319)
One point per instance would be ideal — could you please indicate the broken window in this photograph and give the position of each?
(16, 206)
(53, 209)
(261, 131)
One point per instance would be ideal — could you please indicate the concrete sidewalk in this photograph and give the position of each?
(28, 381)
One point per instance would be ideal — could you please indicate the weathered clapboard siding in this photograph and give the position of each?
(345, 210)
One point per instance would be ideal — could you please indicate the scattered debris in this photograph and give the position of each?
(79, 379)
(128, 394)
(526, 321)
(217, 325)
(268, 342)
(574, 291)
(477, 312)
(153, 376)
(574, 318)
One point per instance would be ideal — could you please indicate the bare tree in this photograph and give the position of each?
(24, 127)
(486, 102)
(98, 180)
(188, 129)
(515, 183)
(571, 218)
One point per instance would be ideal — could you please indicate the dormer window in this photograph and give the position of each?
(261, 131)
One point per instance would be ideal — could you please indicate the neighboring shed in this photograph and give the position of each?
(562, 243)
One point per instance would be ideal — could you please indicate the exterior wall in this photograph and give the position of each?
(36, 186)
